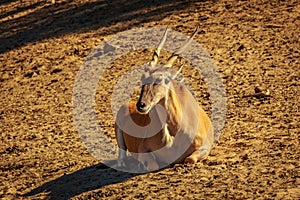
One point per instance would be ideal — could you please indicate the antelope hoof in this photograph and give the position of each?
(121, 163)
(190, 160)
(148, 162)
(153, 166)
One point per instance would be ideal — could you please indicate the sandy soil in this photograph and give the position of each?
(255, 44)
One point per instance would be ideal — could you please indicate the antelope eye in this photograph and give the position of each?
(157, 81)
(143, 78)
(167, 81)
(146, 79)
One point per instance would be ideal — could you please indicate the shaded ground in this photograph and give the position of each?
(254, 44)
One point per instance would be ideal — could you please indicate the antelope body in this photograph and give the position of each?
(185, 133)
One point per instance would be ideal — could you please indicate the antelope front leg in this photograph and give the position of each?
(121, 158)
(122, 148)
(148, 161)
(196, 156)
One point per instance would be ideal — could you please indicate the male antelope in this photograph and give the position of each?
(187, 134)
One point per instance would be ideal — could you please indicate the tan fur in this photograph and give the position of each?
(183, 112)
(186, 135)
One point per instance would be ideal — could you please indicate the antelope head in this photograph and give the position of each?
(156, 80)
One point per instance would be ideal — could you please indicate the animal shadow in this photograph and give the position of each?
(83, 180)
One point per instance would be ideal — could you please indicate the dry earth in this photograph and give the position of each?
(255, 44)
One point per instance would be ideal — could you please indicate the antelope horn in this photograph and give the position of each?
(175, 55)
(157, 51)
(175, 75)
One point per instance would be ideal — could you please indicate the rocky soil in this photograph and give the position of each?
(255, 46)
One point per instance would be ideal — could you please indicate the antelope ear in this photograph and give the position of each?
(148, 67)
(176, 74)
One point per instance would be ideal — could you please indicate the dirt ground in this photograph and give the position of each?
(255, 45)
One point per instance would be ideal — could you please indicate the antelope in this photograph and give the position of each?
(184, 132)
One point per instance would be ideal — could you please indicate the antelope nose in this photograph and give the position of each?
(140, 106)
